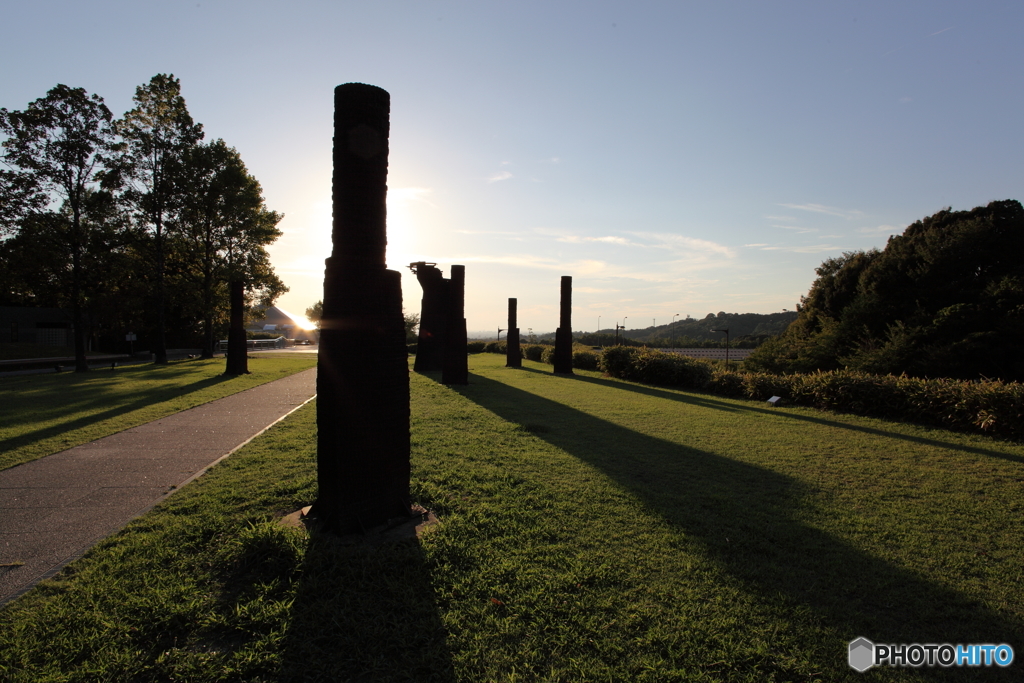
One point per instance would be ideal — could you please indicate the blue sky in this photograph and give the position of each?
(673, 157)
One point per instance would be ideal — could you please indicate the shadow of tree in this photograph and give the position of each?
(749, 519)
(365, 613)
(96, 398)
(718, 404)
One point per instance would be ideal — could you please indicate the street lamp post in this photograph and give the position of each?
(674, 316)
(500, 330)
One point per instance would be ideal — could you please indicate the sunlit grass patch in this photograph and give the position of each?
(47, 413)
(589, 530)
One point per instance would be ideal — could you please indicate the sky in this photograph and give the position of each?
(675, 158)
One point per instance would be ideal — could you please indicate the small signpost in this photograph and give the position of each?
(130, 338)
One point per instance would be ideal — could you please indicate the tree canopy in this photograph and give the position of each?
(134, 225)
(944, 299)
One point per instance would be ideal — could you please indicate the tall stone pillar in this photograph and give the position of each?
(362, 368)
(456, 360)
(433, 317)
(563, 335)
(513, 355)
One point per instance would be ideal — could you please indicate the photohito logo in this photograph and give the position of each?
(863, 654)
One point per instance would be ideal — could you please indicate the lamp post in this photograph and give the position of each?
(726, 330)
(674, 316)
(500, 330)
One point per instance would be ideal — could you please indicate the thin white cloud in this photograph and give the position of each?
(487, 232)
(797, 228)
(608, 239)
(410, 194)
(821, 208)
(764, 244)
(504, 175)
(807, 249)
(683, 243)
(552, 160)
(938, 32)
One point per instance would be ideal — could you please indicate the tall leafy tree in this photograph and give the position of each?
(156, 135)
(945, 298)
(226, 227)
(54, 154)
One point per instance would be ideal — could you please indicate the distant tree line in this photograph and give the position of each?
(944, 299)
(131, 224)
(746, 331)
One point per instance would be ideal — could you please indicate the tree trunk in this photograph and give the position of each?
(160, 350)
(238, 358)
(78, 320)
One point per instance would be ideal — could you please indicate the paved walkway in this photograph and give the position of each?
(54, 509)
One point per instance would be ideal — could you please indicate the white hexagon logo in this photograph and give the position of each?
(862, 654)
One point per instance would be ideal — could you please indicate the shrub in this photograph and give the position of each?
(475, 346)
(500, 346)
(412, 348)
(584, 357)
(533, 351)
(547, 355)
(991, 407)
(656, 367)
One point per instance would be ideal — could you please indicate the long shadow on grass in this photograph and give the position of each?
(142, 399)
(746, 518)
(365, 614)
(717, 404)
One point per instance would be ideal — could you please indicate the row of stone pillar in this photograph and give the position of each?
(563, 335)
(363, 439)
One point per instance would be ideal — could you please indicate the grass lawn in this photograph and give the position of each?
(47, 413)
(590, 530)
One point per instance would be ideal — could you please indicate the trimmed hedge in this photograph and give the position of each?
(995, 408)
(583, 357)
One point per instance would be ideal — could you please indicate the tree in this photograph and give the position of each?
(55, 152)
(412, 322)
(156, 136)
(225, 226)
(945, 298)
(315, 312)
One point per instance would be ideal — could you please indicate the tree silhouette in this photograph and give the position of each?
(55, 149)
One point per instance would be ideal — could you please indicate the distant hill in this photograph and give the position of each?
(746, 330)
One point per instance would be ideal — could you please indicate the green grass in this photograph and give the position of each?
(590, 530)
(47, 413)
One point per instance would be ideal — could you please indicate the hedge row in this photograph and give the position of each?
(991, 407)
(583, 357)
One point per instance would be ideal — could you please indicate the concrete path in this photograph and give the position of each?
(54, 509)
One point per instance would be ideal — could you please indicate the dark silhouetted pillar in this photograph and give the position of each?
(433, 317)
(238, 355)
(563, 335)
(513, 356)
(362, 370)
(456, 359)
